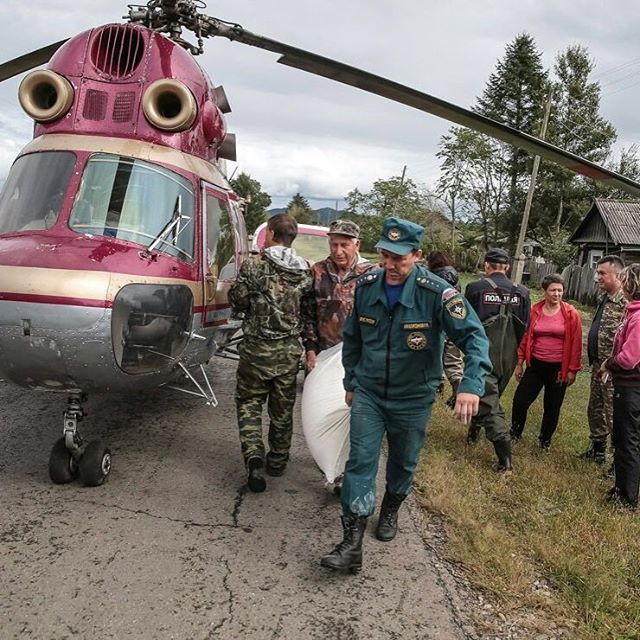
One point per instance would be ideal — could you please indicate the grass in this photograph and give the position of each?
(543, 542)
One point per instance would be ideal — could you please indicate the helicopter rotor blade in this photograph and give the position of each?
(339, 72)
(29, 60)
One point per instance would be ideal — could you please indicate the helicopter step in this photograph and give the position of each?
(71, 456)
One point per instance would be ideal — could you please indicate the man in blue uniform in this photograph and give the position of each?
(392, 356)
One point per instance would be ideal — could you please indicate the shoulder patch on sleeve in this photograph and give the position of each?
(449, 293)
(456, 307)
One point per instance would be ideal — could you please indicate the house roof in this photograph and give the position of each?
(620, 217)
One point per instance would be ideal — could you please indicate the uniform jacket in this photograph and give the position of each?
(486, 300)
(572, 346)
(272, 290)
(397, 355)
(624, 362)
(612, 312)
(331, 303)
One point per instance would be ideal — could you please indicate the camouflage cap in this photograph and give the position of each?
(344, 228)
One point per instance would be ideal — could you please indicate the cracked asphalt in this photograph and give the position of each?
(173, 546)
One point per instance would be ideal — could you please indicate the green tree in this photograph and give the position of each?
(300, 209)
(256, 200)
(514, 95)
(395, 197)
(576, 125)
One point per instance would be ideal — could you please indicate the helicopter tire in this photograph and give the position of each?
(95, 464)
(62, 467)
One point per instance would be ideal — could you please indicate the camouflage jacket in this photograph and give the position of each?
(612, 311)
(332, 303)
(272, 291)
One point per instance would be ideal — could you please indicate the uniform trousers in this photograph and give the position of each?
(405, 424)
(267, 371)
(600, 409)
(536, 376)
(626, 429)
(490, 412)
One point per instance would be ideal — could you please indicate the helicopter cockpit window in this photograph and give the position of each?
(221, 257)
(136, 201)
(34, 191)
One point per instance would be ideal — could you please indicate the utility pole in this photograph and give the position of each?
(519, 258)
(395, 204)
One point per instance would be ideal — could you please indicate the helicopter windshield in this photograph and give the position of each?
(132, 200)
(34, 191)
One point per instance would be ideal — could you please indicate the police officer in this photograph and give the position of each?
(392, 356)
(504, 311)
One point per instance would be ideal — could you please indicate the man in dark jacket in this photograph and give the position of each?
(504, 310)
(271, 290)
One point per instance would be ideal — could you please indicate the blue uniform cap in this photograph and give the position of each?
(400, 236)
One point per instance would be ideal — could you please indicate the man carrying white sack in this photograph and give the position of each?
(334, 281)
(392, 357)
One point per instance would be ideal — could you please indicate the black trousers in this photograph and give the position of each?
(626, 429)
(539, 374)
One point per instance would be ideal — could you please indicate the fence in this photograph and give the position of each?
(580, 284)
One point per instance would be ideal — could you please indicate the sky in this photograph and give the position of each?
(301, 133)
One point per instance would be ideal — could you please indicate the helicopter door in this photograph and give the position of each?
(223, 253)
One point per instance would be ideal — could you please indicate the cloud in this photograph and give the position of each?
(297, 131)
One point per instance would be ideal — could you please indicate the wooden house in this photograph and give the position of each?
(610, 227)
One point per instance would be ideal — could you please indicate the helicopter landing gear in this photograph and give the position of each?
(71, 456)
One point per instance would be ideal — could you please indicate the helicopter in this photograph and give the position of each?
(120, 234)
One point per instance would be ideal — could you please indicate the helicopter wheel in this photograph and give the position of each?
(62, 467)
(95, 464)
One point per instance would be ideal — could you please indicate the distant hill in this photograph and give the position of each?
(323, 216)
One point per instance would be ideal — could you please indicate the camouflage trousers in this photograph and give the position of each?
(453, 364)
(267, 371)
(600, 409)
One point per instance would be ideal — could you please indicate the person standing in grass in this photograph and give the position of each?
(624, 367)
(599, 343)
(552, 350)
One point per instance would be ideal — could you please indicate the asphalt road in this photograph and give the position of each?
(173, 545)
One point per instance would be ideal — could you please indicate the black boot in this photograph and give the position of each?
(347, 556)
(503, 451)
(516, 432)
(388, 520)
(600, 452)
(255, 477)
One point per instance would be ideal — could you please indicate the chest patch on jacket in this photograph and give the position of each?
(416, 341)
(410, 326)
(372, 322)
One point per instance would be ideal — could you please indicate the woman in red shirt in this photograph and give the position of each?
(552, 350)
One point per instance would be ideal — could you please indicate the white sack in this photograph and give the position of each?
(325, 416)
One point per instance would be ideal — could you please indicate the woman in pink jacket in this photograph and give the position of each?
(624, 367)
(552, 350)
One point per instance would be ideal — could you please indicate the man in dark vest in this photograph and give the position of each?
(503, 309)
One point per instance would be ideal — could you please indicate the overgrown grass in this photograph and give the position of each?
(543, 542)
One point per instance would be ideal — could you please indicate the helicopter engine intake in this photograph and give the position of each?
(45, 95)
(169, 105)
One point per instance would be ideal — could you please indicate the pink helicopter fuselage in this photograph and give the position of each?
(87, 306)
